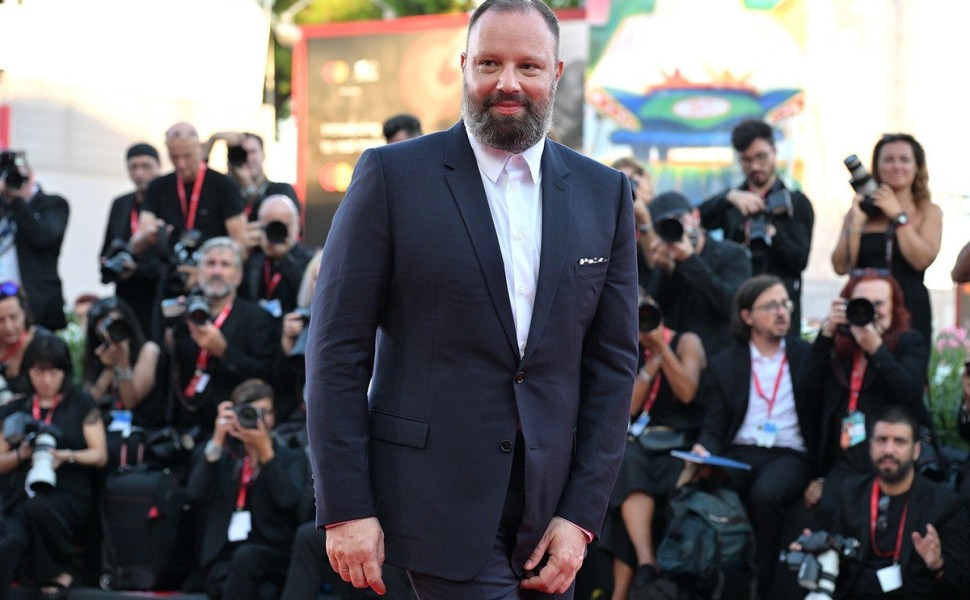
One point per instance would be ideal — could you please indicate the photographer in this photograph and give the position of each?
(254, 493)
(17, 330)
(245, 156)
(763, 214)
(663, 417)
(32, 226)
(642, 187)
(863, 366)
(912, 531)
(896, 226)
(61, 479)
(694, 277)
(136, 277)
(233, 342)
(274, 269)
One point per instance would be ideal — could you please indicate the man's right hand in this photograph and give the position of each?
(356, 552)
(746, 202)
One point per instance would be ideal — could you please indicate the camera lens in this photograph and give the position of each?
(114, 330)
(860, 312)
(650, 316)
(670, 230)
(198, 310)
(236, 156)
(276, 232)
(248, 416)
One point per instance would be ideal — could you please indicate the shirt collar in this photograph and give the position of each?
(491, 161)
(756, 356)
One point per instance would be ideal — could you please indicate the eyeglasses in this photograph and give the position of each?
(882, 521)
(759, 158)
(9, 289)
(787, 305)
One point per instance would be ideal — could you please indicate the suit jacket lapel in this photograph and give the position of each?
(465, 182)
(556, 196)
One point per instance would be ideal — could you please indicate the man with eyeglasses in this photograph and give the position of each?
(760, 411)
(762, 213)
(912, 531)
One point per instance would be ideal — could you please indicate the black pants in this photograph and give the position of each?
(248, 572)
(56, 521)
(778, 477)
(13, 545)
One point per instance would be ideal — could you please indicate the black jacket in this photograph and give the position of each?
(41, 224)
(291, 267)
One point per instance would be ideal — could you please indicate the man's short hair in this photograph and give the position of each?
(222, 242)
(252, 390)
(141, 149)
(628, 162)
(403, 122)
(750, 130)
(744, 300)
(896, 414)
(248, 135)
(521, 6)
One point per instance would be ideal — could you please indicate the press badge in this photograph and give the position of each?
(240, 526)
(121, 421)
(273, 307)
(853, 430)
(890, 578)
(766, 435)
(637, 427)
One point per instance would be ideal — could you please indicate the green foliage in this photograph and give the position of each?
(950, 349)
(74, 334)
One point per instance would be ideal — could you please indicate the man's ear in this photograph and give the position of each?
(745, 316)
(917, 448)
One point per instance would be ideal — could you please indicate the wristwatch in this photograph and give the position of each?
(901, 219)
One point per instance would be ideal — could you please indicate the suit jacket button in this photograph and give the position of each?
(506, 446)
(520, 377)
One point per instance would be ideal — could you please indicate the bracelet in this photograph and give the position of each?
(644, 376)
(122, 374)
(70, 457)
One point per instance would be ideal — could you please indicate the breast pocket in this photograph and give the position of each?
(591, 269)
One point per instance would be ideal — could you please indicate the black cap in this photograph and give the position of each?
(142, 149)
(668, 204)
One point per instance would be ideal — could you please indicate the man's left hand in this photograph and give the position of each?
(565, 543)
(929, 547)
(210, 337)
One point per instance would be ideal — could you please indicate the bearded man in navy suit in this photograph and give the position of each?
(473, 342)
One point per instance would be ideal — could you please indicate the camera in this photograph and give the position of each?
(650, 315)
(863, 183)
(13, 168)
(777, 204)
(194, 307)
(859, 312)
(114, 330)
(670, 229)
(276, 232)
(236, 156)
(20, 428)
(182, 252)
(249, 416)
(818, 561)
(118, 259)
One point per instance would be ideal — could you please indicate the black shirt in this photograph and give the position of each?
(219, 200)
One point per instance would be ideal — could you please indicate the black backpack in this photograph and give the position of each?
(709, 537)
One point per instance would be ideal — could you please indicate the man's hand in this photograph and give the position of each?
(746, 202)
(253, 235)
(565, 543)
(867, 337)
(208, 336)
(356, 553)
(929, 548)
(660, 257)
(257, 440)
(813, 493)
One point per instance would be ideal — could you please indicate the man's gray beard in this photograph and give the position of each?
(512, 134)
(215, 291)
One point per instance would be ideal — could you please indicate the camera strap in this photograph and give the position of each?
(135, 215)
(859, 366)
(244, 480)
(35, 409)
(873, 510)
(270, 280)
(655, 386)
(190, 208)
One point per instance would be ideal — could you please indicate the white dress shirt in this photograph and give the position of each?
(513, 189)
(783, 415)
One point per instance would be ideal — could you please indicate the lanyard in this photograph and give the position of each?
(202, 361)
(655, 386)
(35, 410)
(855, 383)
(873, 509)
(134, 215)
(270, 282)
(189, 210)
(774, 392)
(245, 479)
(14, 348)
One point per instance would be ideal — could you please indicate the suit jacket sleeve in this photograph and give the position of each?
(41, 223)
(792, 241)
(714, 399)
(347, 307)
(608, 367)
(901, 373)
(713, 210)
(719, 279)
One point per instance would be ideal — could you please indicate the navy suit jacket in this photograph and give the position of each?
(412, 266)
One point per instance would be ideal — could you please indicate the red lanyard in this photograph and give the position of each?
(855, 383)
(16, 346)
(202, 361)
(774, 392)
(873, 509)
(655, 386)
(247, 476)
(35, 410)
(134, 214)
(270, 281)
(189, 210)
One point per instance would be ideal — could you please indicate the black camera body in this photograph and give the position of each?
(118, 259)
(276, 232)
(194, 307)
(650, 315)
(859, 312)
(777, 204)
(236, 156)
(13, 168)
(863, 183)
(248, 415)
(21, 428)
(114, 330)
(813, 571)
(670, 229)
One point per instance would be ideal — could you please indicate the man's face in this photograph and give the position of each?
(758, 163)
(142, 169)
(510, 71)
(254, 154)
(218, 274)
(893, 450)
(880, 294)
(185, 154)
(769, 316)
